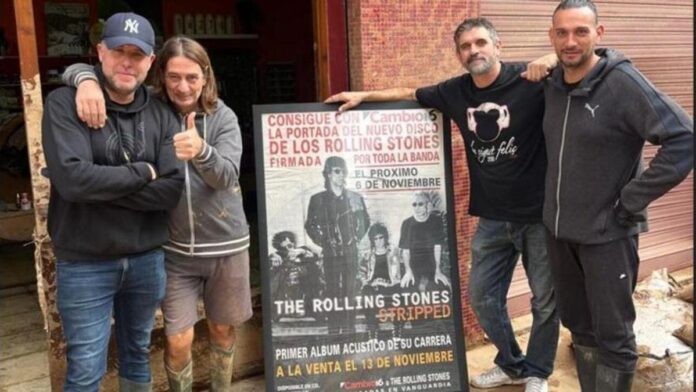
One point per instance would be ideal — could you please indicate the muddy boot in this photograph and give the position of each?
(613, 380)
(125, 385)
(181, 381)
(586, 364)
(221, 362)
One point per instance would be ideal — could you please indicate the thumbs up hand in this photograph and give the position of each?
(188, 144)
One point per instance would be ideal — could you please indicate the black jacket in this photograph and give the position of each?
(103, 202)
(337, 224)
(596, 188)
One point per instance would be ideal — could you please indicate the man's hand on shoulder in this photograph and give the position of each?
(351, 99)
(89, 100)
(540, 68)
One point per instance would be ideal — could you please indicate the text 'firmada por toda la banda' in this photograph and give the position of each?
(373, 137)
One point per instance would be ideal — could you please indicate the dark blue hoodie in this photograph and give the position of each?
(104, 203)
(596, 187)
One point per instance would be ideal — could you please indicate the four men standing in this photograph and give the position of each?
(592, 221)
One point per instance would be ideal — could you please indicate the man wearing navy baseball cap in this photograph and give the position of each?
(126, 54)
(129, 28)
(111, 192)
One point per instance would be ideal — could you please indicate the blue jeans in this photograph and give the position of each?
(88, 292)
(496, 248)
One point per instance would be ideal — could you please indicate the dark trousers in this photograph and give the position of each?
(594, 286)
(340, 273)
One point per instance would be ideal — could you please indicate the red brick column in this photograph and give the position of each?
(409, 43)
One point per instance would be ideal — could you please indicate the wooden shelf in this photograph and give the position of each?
(53, 58)
(238, 41)
(224, 37)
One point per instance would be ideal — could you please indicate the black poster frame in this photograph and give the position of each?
(366, 381)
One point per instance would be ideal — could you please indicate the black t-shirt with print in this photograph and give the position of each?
(502, 129)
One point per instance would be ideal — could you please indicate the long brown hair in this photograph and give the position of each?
(192, 50)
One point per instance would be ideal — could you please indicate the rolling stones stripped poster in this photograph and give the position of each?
(359, 269)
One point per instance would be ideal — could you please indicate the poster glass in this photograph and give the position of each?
(358, 252)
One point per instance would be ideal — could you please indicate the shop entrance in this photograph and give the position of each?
(262, 52)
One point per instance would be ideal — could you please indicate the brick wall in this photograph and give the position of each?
(408, 43)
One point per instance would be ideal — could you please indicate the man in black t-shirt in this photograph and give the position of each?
(499, 114)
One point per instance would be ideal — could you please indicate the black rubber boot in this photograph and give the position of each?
(586, 364)
(613, 380)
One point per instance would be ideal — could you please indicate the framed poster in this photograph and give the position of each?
(358, 250)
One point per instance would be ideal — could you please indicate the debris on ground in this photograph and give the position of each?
(686, 334)
(665, 362)
(686, 293)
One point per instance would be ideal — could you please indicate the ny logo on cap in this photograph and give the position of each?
(131, 26)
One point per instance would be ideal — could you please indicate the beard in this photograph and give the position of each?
(476, 67)
(120, 88)
(579, 61)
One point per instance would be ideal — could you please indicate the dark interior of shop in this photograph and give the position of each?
(261, 50)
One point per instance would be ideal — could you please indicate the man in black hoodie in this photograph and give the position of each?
(599, 112)
(111, 190)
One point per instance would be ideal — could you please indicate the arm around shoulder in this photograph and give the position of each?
(69, 157)
(89, 98)
(77, 73)
(355, 98)
(540, 68)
